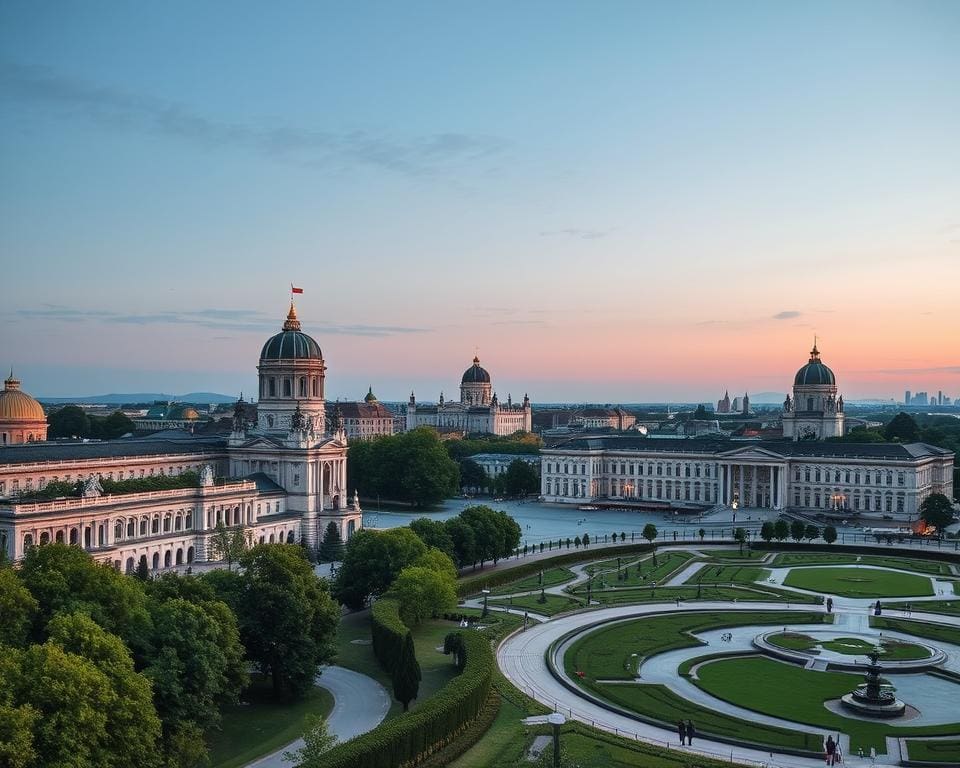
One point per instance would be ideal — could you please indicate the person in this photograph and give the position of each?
(682, 730)
(829, 605)
(691, 732)
(831, 748)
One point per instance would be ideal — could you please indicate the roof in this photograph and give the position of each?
(600, 412)
(814, 373)
(480, 457)
(291, 343)
(819, 449)
(366, 410)
(169, 441)
(265, 484)
(475, 374)
(17, 405)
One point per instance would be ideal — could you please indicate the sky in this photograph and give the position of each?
(607, 201)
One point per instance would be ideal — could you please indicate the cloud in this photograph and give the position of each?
(425, 155)
(787, 315)
(580, 234)
(216, 319)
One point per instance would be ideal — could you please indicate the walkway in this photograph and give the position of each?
(359, 704)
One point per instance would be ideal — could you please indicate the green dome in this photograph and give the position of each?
(815, 373)
(291, 343)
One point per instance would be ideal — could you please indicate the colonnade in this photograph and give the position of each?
(753, 485)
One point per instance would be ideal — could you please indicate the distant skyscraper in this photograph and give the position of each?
(940, 397)
(906, 397)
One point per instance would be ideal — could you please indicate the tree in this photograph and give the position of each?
(406, 676)
(902, 428)
(586, 539)
(286, 616)
(433, 533)
(650, 534)
(797, 529)
(463, 539)
(936, 511)
(228, 545)
(317, 740)
(740, 536)
(69, 421)
(331, 549)
(495, 533)
(829, 534)
(781, 530)
(142, 571)
(701, 413)
(577, 542)
(17, 607)
(371, 561)
(767, 531)
(423, 592)
(811, 532)
(117, 424)
(522, 478)
(701, 533)
(472, 475)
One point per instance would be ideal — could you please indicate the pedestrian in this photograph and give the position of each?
(691, 732)
(682, 731)
(678, 602)
(829, 605)
(831, 749)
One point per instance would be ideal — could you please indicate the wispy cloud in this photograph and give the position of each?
(580, 234)
(216, 319)
(116, 109)
(788, 314)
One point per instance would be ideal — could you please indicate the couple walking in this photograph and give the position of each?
(686, 731)
(833, 753)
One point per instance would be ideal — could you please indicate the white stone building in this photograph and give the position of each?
(285, 480)
(815, 411)
(479, 409)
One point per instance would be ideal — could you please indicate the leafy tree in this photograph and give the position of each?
(586, 539)
(371, 561)
(797, 529)
(286, 616)
(117, 424)
(701, 533)
(228, 545)
(577, 542)
(495, 533)
(829, 534)
(649, 532)
(434, 533)
(463, 539)
(423, 592)
(811, 532)
(767, 531)
(437, 561)
(902, 428)
(936, 511)
(17, 607)
(781, 530)
(331, 549)
(317, 740)
(522, 478)
(142, 571)
(407, 676)
(69, 421)
(740, 536)
(472, 475)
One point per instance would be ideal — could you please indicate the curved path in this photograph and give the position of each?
(359, 704)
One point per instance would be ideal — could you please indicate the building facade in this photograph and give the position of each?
(603, 418)
(22, 419)
(281, 480)
(479, 408)
(815, 411)
(367, 419)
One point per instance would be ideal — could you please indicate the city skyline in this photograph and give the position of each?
(649, 203)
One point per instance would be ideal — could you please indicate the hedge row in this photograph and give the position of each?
(472, 584)
(412, 737)
(388, 633)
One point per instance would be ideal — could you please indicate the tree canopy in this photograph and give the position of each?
(936, 511)
(72, 421)
(371, 561)
(902, 428)
(522, 478)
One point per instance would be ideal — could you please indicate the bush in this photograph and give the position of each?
(389, 633)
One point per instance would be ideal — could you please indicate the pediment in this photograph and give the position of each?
(753, 453)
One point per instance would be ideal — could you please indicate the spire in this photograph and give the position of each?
(476, 360)
(291, 323)
(814, 353)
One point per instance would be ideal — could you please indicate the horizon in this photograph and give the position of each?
(630, 203)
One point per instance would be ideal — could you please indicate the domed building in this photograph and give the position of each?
(365, 420)
(815, 411)
(22, 419)
(479, 409)
(161, 416)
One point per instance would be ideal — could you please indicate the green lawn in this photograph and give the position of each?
(792, 641)
(261, 725)
(894, 650)
(758, 593)
(936, 632)
(729, 574)
(859, 582)
(808, 689)
(946, 607)
(945, 751)
(719, 555)
(639, 572)
(551, 577)
(932, 567)
(555, 604)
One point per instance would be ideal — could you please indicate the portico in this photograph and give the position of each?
(753, 478)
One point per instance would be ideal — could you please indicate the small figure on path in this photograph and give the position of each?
(691, 732)
(878, 610)
(909, 610)
(678, 602)
(682, 730)
(829, 605)
(831, 749)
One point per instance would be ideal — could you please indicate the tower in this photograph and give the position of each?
(475, 386)
(814, 412)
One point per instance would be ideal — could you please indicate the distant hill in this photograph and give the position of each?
(142, 397)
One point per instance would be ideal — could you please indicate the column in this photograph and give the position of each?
(321, 506)
(740, 486)
(775, 487)
(722, 485)
(753, 485)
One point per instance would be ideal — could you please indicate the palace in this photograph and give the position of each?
(888, 480)
(479, 409)
(281, 480)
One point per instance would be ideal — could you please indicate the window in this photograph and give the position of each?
(272, 387)
(287, 388)
(131, 528)
(817, 475)
(900, 478)
(118, 530)
(806, 474)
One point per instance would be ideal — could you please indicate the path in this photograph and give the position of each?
(359, 704)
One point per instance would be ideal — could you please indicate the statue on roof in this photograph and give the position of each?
(206, 476)
(92, 488)
(298, 421)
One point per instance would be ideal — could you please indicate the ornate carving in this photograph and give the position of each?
(92, 488)
(298, 421)
(206, 476)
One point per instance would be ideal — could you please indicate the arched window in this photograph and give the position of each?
(290, 537)
(27, 540)
(179, 558)
(303, 386)
(156, 560)
(189, 554)
(129, 565)
(287, 388)
(74, 536)
(809, 403)
(44, 538)
(316, 387)
(271, 538)
(155, 524)
(273, 387)
(87, 535)
(131, 528)
(118, 530)
(167, 520)
(166, 559)
(59, 537)
(143, 526)
(177, 523)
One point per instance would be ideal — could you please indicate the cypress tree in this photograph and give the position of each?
(406, 677)
(331, 550)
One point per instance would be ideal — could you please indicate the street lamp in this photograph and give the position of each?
(486, 593)
(556, 720)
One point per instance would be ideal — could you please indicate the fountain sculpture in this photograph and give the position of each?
(874, 698)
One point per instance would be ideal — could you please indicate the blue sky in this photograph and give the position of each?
(610, 201)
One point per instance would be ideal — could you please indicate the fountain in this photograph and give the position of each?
(873, 698)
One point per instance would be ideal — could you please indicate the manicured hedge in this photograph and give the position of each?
(412, 737)
(388, 633)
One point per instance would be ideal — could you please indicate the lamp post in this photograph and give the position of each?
(556, 720)
(486, 594)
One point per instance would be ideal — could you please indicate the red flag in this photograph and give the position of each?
(294, 289)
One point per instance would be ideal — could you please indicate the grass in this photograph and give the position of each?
(759, 593)
(551, 577)
(639, 572)
(808, 689)
(719, 555)
(946, 607)
(934, 750)
(894, 650)
(729, 574)
(932, 567)
(859, 582)
(262, 725)
(936, 632)
(554, 604)
(792, 641)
